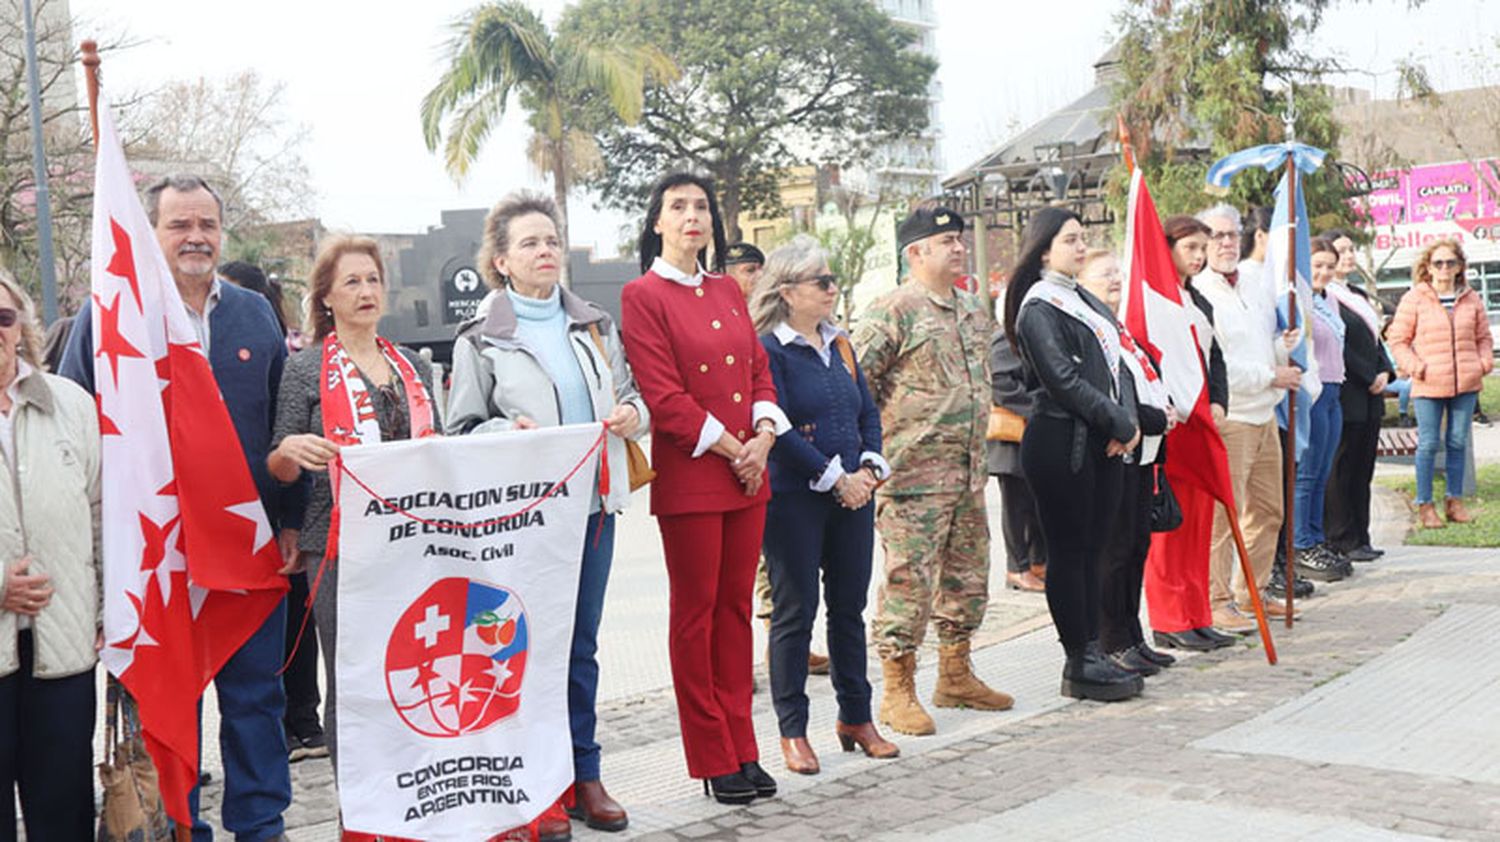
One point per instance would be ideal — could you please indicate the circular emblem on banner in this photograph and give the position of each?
(466, 280)
(456, 658)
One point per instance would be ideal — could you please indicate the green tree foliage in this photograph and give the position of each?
(765, 85)
(1195, 89)
(505, 47)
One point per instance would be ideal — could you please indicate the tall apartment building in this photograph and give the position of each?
(915, 166)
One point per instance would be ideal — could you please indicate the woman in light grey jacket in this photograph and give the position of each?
(539, 356)
(49, 596)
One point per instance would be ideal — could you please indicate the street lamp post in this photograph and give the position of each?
(46, 265)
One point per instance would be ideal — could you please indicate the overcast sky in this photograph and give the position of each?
(355, 75)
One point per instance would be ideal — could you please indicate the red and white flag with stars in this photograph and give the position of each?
(190, 562)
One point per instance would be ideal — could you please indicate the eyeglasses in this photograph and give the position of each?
(9, 317)
(1224, 236)
(824, 282)
(1447, 263)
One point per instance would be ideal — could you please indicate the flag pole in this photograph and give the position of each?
(1289, 458)
(1128, 153)
(90, 51)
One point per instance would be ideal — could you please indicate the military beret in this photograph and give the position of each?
(925, 222)
(743, 253)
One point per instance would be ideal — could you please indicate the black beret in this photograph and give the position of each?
(743, 252)
(925, 222)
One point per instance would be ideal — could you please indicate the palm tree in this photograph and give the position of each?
(500, 47)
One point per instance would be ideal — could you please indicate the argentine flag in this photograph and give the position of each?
(1276, 265)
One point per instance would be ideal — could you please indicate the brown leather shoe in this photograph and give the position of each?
(1273, 608)
(1230, 621)
(593, 806)
(799, 756)
(1025, 581)
(817, 664)
(1454, 509)
(868, 739)
(1427, 517)
(1039, 571)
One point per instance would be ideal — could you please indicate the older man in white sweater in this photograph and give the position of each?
(1256, 359)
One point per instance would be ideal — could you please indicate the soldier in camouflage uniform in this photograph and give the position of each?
(924, 349)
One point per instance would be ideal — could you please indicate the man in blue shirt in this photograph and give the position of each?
(243, 342)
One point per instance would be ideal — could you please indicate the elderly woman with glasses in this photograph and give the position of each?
(49, 597)
(820, 519)
(1440, 338)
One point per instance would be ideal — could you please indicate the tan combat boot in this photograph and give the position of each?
(958, 687)
(899, 707)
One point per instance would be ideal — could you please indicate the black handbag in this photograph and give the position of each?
(1166, 514)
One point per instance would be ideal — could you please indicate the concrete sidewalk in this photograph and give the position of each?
(1375, 725)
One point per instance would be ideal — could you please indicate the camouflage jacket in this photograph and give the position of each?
(926, 358)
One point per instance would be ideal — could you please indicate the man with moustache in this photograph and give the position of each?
(242, 340)
(924, 351)
(1259, 373)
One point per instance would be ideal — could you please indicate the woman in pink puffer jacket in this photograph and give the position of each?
(1441, 339)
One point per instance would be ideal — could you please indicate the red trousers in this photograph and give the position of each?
(711, 559)
(1177, 566)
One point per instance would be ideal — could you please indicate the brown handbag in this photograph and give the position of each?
(639, 467)
(1004, 425)
(133, 811)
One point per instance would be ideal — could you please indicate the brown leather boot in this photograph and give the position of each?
(899, 707)
(592, 804)
(817, 664)
(799, 755)
(1455, 511)
(1427, 517)
(958, 687)
(868, 739)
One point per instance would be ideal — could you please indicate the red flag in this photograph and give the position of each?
(190, 567)
(1160, 316)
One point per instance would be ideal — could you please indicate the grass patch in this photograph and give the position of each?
(1489, 402)
(1484, 506)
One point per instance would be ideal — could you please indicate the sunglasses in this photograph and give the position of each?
(824, 282)
(1438, 264)
(9, 317)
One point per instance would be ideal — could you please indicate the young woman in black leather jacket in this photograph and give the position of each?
(1084, 421)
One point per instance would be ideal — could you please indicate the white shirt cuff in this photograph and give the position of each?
(830, 476)
(768, 409)
(876, 461)
(712, 429)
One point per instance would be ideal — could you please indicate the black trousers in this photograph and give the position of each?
(1018, 524)
(807, 534)
(47, 750)
(1346, 512)
(1076, 509)
(301, 677)
(1124, 564)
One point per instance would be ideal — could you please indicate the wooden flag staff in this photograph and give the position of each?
(1229, 511)
(90, 50)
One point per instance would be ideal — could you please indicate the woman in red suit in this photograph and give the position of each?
(704, 376)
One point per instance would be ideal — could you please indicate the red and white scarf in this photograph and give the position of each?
(349, 415)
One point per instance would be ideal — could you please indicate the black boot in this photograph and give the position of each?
(732, 788)
(1161, 659)
(1088, 674)
(1131, 660)
(765, 785)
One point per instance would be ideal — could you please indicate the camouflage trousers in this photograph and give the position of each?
(937, 566)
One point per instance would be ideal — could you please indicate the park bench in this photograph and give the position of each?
(1397, 441)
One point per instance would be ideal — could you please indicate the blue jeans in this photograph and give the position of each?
(1429, 411)
(1402, 388)
(1327, 425)
(257, 780)
(583, 667)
